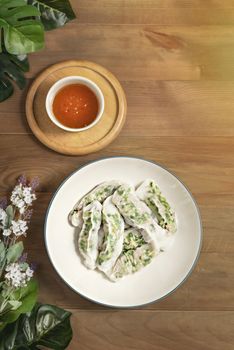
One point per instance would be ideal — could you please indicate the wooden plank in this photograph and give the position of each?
(149, 4)
(206, 165)
(169, 108)
(116, 330)
(160, 16)
(13, 123)
(218, 222)
(153, 52)
(103, 45)
(168, 53)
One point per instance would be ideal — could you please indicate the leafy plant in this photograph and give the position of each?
(23, 301)
(23, 323)
(53, 13)
(22, 32)
(46, 325)
(22, 24)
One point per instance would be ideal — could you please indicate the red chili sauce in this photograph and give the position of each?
(75, 106)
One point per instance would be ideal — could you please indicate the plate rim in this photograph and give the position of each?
(124, 306)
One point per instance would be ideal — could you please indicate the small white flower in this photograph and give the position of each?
(29, 272)
(26, 190)
(20, 203)
(3, 217)
(19, 227)
(16, 276)
(17, 191)
(7, 232)
(29, 197)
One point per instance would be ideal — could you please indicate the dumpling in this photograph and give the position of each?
(136, 254)
(150, 193)
(112, 246)
(99, 193)
(132, 261)
(137, 214)
(88, 237)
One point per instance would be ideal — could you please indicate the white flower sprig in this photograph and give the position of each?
(18, 274)
(19, 227)
(15, 272)
(14, 218)
(22, 197)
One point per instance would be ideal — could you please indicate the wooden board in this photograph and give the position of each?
(174, 59)
(91, 140)
(147, 330)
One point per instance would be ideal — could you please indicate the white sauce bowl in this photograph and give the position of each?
(68, 81)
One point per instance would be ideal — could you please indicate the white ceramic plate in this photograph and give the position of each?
(163, 275)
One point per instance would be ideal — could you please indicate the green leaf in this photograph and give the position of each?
(8, 337)
(10, 214)
(21, 31)
(2, 247)
(27, 296)
(2, 253)
(2, 259)
(6, 306)
(45, 325)
(54, 13)
(14, 252)
(15, 304)
(12, 67)
(10, 211)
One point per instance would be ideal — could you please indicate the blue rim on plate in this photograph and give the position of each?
(144, 304)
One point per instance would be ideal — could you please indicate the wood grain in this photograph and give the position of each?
(153, 330)
(175, 52)
(205, 164)
(156, 330)
(161, 16)
(174, 59)
(149, 4)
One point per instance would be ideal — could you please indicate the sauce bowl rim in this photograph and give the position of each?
(68, 80)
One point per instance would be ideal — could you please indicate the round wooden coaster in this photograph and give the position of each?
(91, 140)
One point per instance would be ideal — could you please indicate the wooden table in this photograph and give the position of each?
(175, 60)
